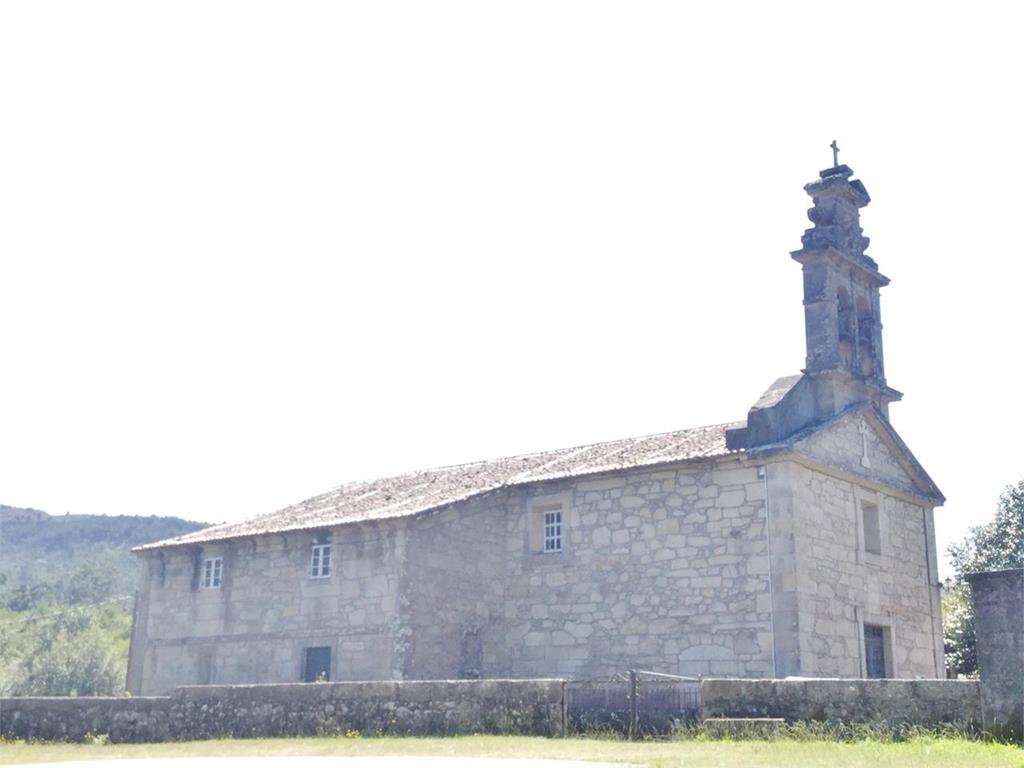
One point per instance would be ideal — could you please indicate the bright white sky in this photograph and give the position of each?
(249, 251)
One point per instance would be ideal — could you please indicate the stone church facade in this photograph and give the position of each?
(797, 542)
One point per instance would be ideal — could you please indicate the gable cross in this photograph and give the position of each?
(835, 154)
(863, 429)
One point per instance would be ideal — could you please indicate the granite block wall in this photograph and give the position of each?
(665, 570)
(913, 702)
(535, 707)
(998, 599)
(828, 584)
(124, 720)
(254, 629)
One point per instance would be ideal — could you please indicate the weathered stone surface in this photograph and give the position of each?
(200, 712)
(71, 719)
(918, 702)
(998, 599)
(827, 586)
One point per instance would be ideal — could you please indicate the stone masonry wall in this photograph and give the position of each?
(661, 569)
(998, 599)
(128, 720)
(255, 628)
(915, 702)
(453, 589)
(828, 586)
(535, 707)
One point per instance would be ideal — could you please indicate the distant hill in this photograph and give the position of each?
(65, 605)
(58, 554)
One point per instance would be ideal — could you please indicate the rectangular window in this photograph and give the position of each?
(320, 564)
(213, 573)
(872, 531)
(553, 531)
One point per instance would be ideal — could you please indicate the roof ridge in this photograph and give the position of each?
(413, 492)
(581, 447)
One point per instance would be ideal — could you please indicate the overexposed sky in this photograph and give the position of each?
(249, 251)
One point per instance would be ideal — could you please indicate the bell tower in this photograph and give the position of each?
(842, 316)
(842, 321)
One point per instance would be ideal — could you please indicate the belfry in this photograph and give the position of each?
(842, 320)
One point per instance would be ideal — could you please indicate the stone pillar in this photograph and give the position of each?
(998, 598)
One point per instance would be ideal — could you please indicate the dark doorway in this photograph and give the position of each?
(874, 651)
(205, 668)
(472, 654)
(318, 665)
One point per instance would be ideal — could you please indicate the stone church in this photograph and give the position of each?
(799, 541)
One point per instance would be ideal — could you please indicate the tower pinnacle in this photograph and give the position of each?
(842, 320)
(842, 314)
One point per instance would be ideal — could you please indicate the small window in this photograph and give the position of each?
(548, 520)
(320, 564)
(553, 531)
(213, 573)
(872, 531)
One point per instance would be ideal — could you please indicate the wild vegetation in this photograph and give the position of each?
(66, 586)
(997, 544)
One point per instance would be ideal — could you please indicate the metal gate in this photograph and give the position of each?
(634, 702)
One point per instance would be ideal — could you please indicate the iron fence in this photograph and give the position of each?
(634, 702)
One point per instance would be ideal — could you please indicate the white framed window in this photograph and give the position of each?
(548, 524)
(320, 561)
(553, 530)
(213, 573)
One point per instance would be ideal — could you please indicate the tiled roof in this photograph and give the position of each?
(416, 492)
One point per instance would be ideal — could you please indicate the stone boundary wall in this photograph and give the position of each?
(998, 599)
(534, 707)
(911, 702)
(72, 718)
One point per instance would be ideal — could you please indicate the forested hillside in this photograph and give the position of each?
(65, 598)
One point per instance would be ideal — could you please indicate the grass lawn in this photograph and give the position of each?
(924, 752)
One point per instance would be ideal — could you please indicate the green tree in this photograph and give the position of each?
(79, 664)
(958, 631)
(28, 596)
(993, 546)
(89, 583)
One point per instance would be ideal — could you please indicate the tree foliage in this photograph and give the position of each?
(996, 545)
(959, 640)
(75, 558)
(999, 543)
(65, 606)
(63, 650)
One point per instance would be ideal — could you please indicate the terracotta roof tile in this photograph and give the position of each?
(417, 492)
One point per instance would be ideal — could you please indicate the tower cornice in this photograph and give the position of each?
(839, 258)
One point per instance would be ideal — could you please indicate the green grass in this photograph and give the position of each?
(924, 752)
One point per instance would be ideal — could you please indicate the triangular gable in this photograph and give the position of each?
(861, 441)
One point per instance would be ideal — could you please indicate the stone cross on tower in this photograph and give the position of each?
(835, 154)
